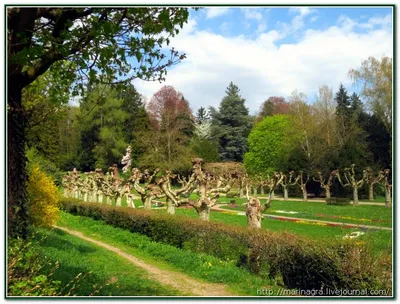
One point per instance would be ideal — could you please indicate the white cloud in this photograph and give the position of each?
(261, 68)
(213, 12)
(252, 13)
(302, 11)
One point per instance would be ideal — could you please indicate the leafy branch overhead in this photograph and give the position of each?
(104, 44)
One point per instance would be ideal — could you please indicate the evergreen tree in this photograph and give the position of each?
(131, 103)
(232, 125)
(356, 105)
(343, 104)
(102, 119)
(202, 115)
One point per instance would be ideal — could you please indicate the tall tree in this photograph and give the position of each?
(69, 139)
(202, 115)
(343, 104)
(272, 106)
(375, 76)
(171, 122)
(231, 125)
(102, 120)
(100, 42)
(271, 142)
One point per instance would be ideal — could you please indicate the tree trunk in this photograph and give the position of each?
(355, 196)
(253, 213)
(17, 199)
(262, 190)
(170, 206)
(241, 192)
(204, 212)
(273, 194)
(147, 202)
(129, 201)
(371, 192)
(285, 193)
(108, 200)
(327, 192)
(304, 193)
(118, 201)
(100, 198)
(255, 191)
(388, 197)
(85, 197)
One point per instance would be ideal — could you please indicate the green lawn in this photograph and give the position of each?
(102, 271)
(362, 214)
(379, 240)
(200, 266)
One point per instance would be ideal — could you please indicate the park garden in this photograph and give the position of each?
(123, 196)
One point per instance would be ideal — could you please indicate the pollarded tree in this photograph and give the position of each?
(207, 196)
(371, 179)
(255, 209)
(351, 181)
(325, 184)
(103, 45)
(149, 190)
(286, 182)
(302, 181)
(387, 182)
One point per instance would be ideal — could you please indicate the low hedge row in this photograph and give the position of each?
(338, 201)
(299, 261)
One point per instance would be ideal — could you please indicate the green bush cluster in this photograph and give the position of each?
(24, 270)
(338, 201)
(299, 261)
(232, 194)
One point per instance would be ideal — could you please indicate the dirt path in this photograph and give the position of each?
(174, 279)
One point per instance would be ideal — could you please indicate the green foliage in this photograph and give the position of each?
(167, 142)
(102, 121)
(232, 194)
(205, 149)
(270, 144)
(48, 167)
(43, 103)
(338, 201)
(231, 125)
(302, 263)
(24, 271)
(375, 77)
(43, 199)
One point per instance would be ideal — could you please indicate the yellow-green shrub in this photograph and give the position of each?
(43, 198)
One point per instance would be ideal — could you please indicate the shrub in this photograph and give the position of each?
(43, 199)
(299, 261)
(338, 201)
(24, 271)
(232, 195)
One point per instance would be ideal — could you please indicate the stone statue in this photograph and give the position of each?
(127, 159)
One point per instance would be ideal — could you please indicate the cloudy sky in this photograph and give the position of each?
(272, 51)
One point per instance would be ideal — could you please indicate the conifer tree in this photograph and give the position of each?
(232, 125)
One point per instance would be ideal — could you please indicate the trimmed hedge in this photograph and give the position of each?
(301, 262)
(338, 201)
(232, 194)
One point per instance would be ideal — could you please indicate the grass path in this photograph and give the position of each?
(174, 279)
